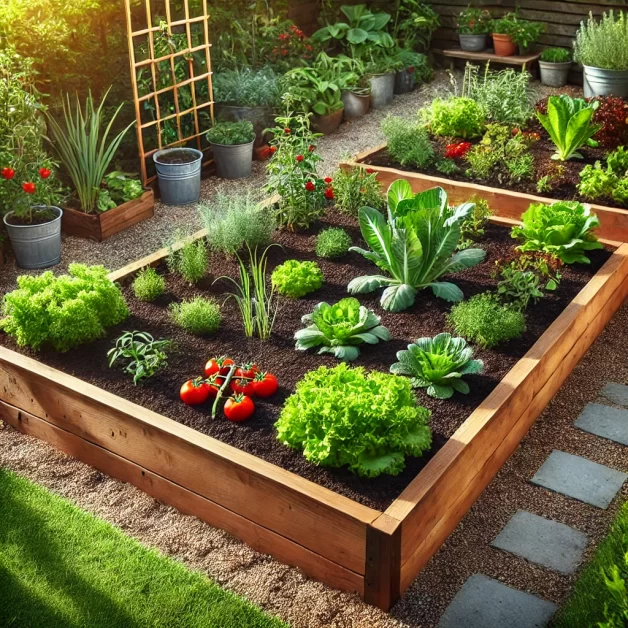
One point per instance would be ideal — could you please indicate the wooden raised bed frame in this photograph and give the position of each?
(332, 538)
(103, 225)
(504, 203)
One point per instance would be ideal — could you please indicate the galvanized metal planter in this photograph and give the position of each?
(179, 183)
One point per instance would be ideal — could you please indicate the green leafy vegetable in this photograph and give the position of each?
(416, 246)
(143, 354)
(347, 417)
(438, 364)
(337, 329)
(563, 229)
(569, 123)
(295, 279)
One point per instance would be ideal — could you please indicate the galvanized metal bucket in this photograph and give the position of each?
(472, 43)
(600, 82)
(36, 246)
(179, 183)
(554, 74)
(404, 81)
(356, 105)
(382, 90)
(233, 161)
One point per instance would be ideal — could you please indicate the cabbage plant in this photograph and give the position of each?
(415, 246)
(438, 364)
(337, 329)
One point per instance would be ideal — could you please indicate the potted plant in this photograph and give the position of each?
(100, 205)
(602, 49)
(503, 29)
(555, 64)
(473, 26)
(356, 99)
(413, 23)
(232, 146)
(414, 67)
(34, 221)
(382, 70)
(525, 34)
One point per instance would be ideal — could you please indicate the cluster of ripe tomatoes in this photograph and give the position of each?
(238, 383)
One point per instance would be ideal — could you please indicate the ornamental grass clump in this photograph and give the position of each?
(339, 328)
(199, 316)
(603, 43)
(438, 364)
(343, 416)
(65, 311)
(149, 284)
(295, 279)
(190, 261)
(332, 242)
(483, 319)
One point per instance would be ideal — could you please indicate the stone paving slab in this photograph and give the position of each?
(486, 603)
(542, 541)
(604, 421)
(579, 478)
(616, 393)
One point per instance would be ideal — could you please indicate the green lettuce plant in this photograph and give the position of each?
(295, 279)
(564, 229)
(438, 364)
(569, 123)
(338, 328)
(415, 246)
(455, 117)
(345, 416)
(65, 311)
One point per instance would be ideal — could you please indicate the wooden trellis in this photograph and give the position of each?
(168, 27)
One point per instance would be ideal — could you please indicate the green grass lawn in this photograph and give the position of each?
(586, 605)
(60, 566)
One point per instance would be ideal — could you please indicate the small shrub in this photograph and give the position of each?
(190, 261)
(235, 221)
(408, 142)
(295, 279)
(347, 417)
(231, 133)
(64, 311)
(603, 43)
(556, 55)
(357, 188)
(473, 226)
(148, 285)
(144, 355)
(447, 166)
(487, 322)
(332, 242)
(199, 316)
(455, 117)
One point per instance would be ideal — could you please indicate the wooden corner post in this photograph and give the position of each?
(382, 576)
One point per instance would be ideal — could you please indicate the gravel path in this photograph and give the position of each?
(285, 592)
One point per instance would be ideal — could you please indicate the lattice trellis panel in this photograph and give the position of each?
(170, 77)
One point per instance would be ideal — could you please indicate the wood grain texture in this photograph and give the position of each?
(187, 502)
(103, 225)
(504, 203)
(312, 516)
(383, 562)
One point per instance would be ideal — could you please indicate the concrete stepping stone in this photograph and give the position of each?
(604, 421)
(616, 393)
(542, 541)
(579, 478)
(486, 603)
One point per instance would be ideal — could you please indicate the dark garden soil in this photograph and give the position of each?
(257, 436)
(181, 156)
(565, 175)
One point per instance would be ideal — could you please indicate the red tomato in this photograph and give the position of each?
(225, 365)
(218, 365)
(242, 386)
(214, 383)
(265, 385)
(247, 370)
(194, 392)
(239, 408)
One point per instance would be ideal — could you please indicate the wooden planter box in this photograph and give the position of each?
(332, 538)
(504, 203)
(103, 225)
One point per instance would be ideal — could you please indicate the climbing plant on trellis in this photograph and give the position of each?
(169, 53)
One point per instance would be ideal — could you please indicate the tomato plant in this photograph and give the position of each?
(195, 392)
(247, 370)
(239, 408)
(265, 385)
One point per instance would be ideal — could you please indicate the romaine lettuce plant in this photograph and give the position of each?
(563, 229)
(569, 123)
(416, 246)
(438, 364)
(347, 417)
(337, 329)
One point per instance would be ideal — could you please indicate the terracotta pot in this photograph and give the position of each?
(504, 46)
(329, 123)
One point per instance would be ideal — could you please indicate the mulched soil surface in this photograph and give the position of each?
(565, 175)
(257, 436)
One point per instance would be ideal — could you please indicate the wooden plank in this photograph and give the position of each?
(383, 562)
(505, 203)
(310, 515)
(187, 502)
(458, 53)
(467, 495)
(430, 499)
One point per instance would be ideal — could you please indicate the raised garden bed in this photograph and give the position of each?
(103, 225)
(368, 536)
(508, 203)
